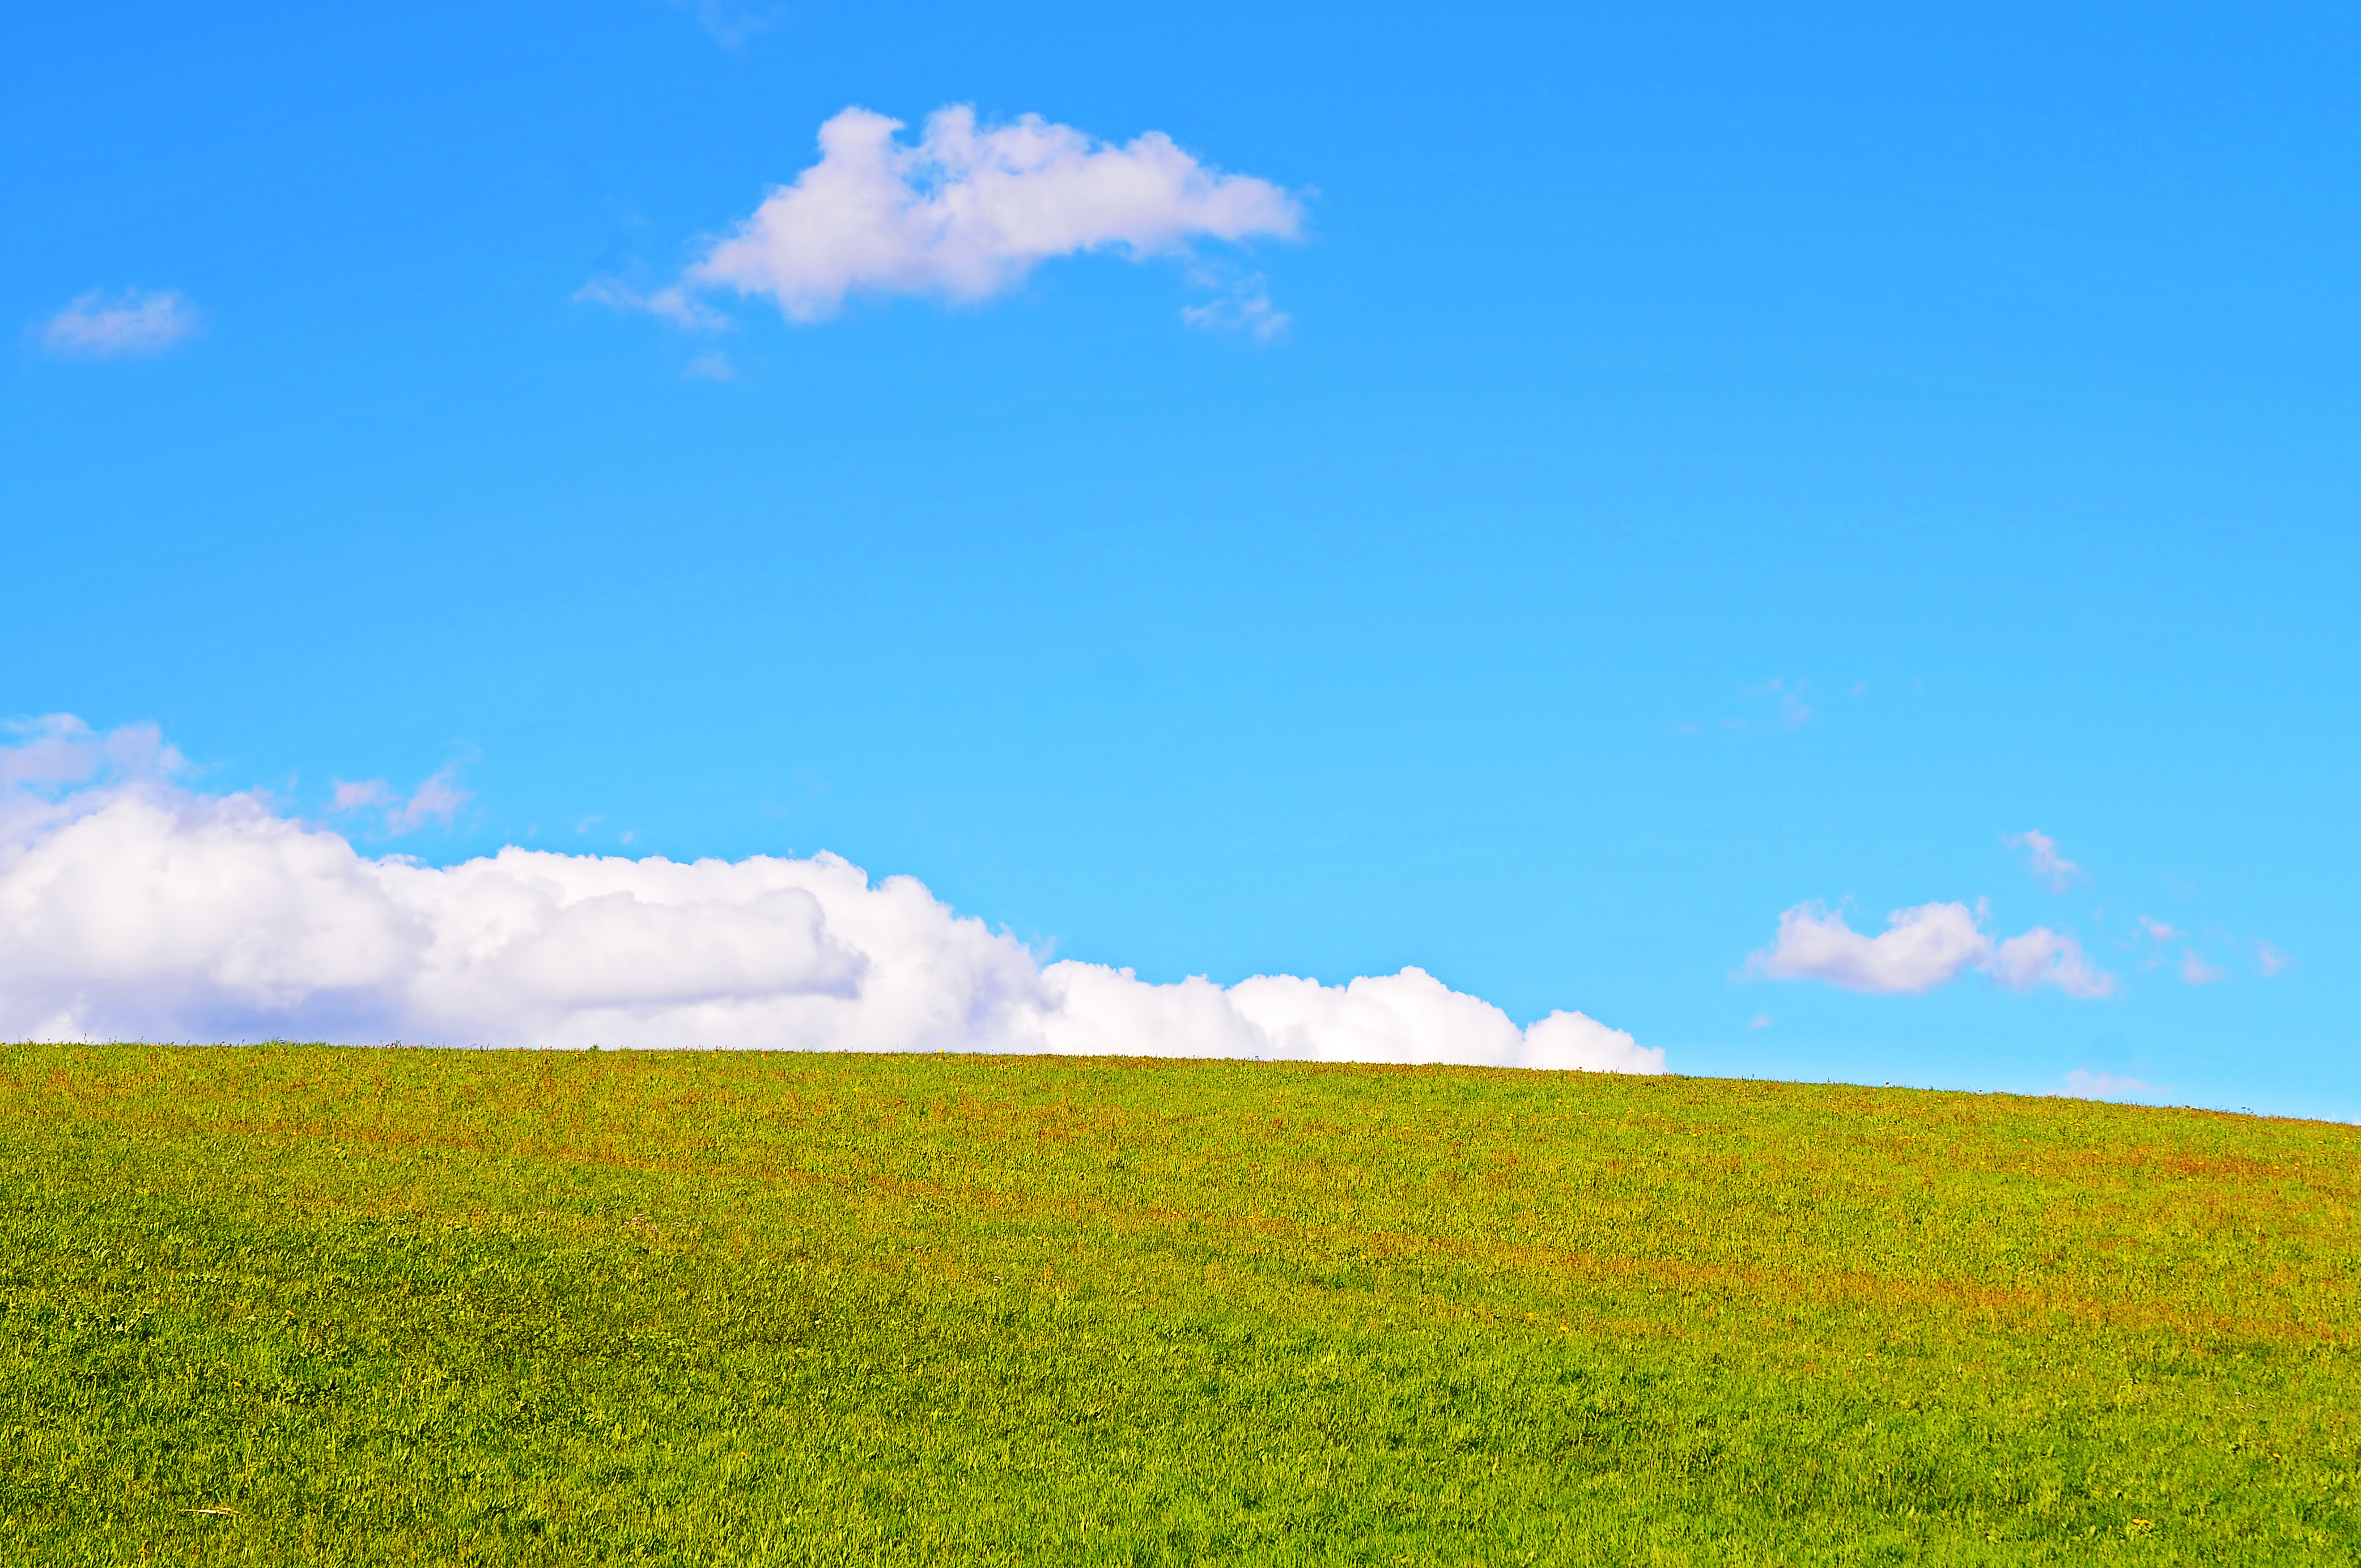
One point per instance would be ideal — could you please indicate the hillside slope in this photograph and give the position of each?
(345, 1306)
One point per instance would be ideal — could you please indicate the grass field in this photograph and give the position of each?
(288, 1304)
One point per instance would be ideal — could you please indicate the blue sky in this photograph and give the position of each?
(1717, 460)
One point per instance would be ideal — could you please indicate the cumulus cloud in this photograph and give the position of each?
(134, 907)
(1921, 948)
(135, 322)
(2195, 971)
(2048, 867)
(967, 212)
(58, 750)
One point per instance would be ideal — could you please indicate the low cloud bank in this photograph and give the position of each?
(132, 906)
(1922, 948)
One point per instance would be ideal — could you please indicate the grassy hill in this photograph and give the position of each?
(384, 1307)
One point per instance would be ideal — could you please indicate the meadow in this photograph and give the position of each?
(286, 1304)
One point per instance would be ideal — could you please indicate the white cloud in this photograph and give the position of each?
(1921, 948)
(137, 322)
(966, 213)
(2043, 860)
(2082, 1083)
(1244, 306)
(438, 799)
(728, 24)
(2194, 970)
(2042, 957)
(358, 796)
(1790, 711)
(131, 907)
(611, 292)
(58, 748)
(688, 314)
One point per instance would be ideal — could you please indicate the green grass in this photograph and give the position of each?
(394, 1307)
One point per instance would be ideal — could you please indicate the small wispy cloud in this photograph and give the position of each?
(2042, 957)
(1760, 1021)
(2085, 1083)
(436, 799)
(358, 796)
(135, 322)
(965, 213)
(1243, 306)
(2048, 867)
(671, 304)
(1922, 948)
(2197, 971)
(2194, 968)
(728, 24)
(1788, 708)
